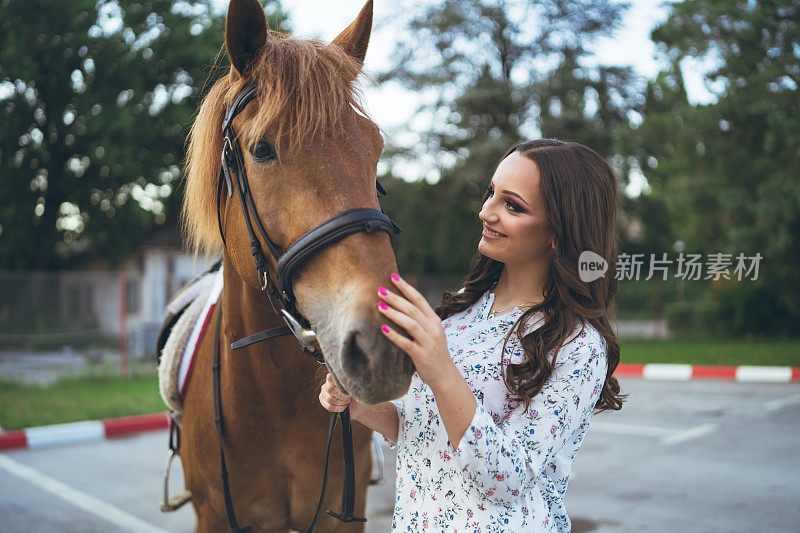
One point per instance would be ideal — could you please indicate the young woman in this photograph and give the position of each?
(511, 367)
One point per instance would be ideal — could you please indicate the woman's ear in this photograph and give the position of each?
(355, 38)
(245, 33)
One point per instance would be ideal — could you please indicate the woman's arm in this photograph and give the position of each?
(456, 404)
(381, 417)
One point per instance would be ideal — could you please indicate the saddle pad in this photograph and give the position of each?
(180, 350)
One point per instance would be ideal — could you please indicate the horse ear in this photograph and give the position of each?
(355, 38)
(245, 33)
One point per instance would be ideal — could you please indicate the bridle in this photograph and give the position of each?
(331, 230)
(232, 173)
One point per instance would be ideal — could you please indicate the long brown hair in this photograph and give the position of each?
(580, 194)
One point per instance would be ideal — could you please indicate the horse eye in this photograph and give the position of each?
(263, 151)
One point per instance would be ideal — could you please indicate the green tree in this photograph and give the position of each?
(96, 99)
(730, 170)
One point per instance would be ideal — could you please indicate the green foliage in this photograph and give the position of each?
(728, 171)
(635, 297)
(696, 317)
(752, 309)
(634, 300)
(102, 97)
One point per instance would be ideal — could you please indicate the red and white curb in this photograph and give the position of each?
(673, 372)
(75, 432)
(94, 430)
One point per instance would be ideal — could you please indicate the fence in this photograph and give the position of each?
(46, 311)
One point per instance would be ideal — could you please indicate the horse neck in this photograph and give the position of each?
(267, 367)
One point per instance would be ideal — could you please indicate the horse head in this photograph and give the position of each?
(310, 151)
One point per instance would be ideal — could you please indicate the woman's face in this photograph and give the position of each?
(515, 209)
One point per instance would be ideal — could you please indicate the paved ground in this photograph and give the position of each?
(693, 456)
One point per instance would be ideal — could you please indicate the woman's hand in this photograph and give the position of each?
(428, 345)
(335, 400)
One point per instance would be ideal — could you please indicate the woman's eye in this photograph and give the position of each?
(514, 207)
(262, 151)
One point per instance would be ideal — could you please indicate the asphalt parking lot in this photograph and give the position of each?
(693, 456)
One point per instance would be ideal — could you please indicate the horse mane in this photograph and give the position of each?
(304, 88)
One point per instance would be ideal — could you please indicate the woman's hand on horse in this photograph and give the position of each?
(428, 345)
(334, 400)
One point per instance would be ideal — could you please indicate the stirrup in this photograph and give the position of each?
(179, 500)
(377, 452)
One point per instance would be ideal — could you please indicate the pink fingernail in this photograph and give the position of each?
(382, 291)
(385, 329)
(382, 305)
(395, 277)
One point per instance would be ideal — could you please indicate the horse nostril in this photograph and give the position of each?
(354, 359)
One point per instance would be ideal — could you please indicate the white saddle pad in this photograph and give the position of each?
(180, 350)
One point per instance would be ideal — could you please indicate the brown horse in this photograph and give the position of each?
(327, 150)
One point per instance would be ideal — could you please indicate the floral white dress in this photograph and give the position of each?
(512, 466)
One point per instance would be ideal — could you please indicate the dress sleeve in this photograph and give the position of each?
(399, 406)
(503, 461)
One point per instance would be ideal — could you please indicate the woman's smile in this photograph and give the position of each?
(491, 234)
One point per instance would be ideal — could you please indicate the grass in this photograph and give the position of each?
(105, 395)
(78, 398)
(711, 351)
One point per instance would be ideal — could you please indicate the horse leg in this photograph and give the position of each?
(209, 522)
